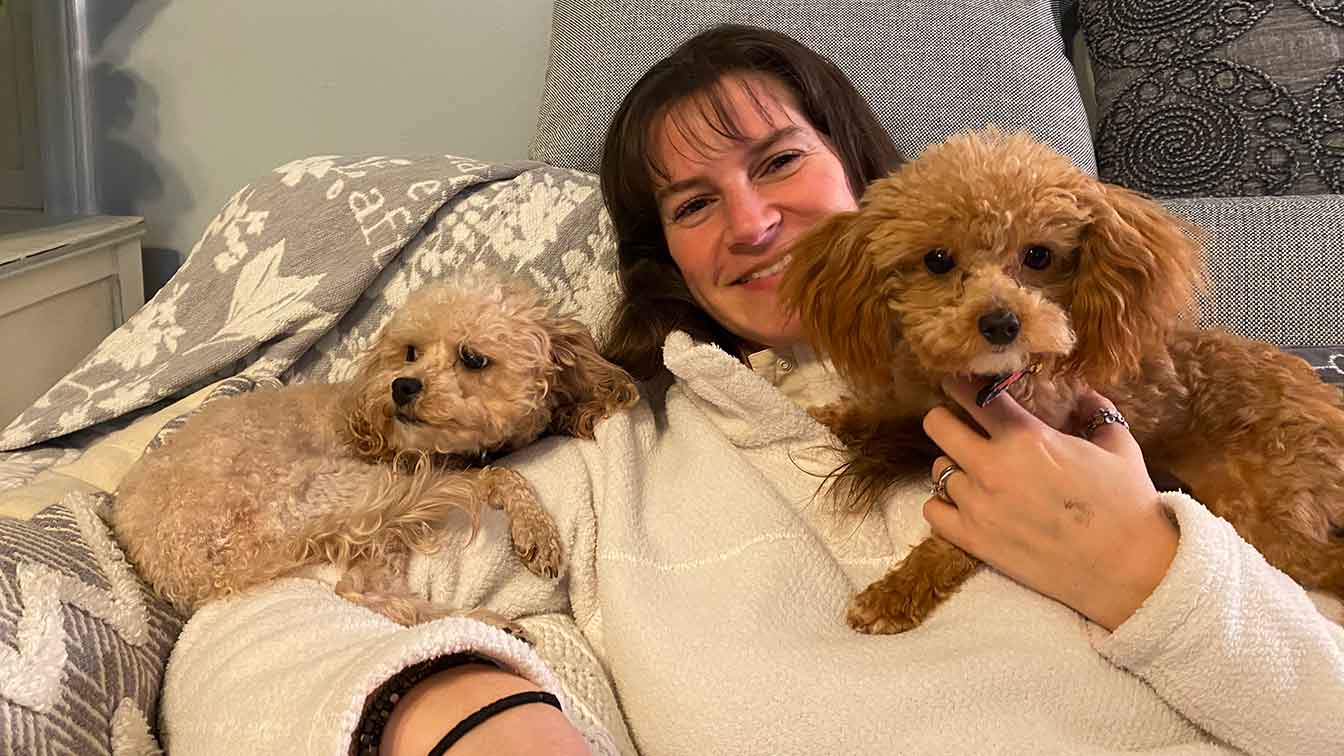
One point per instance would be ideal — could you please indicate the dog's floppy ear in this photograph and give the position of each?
(587, 387)
(838, 294)
(364, 431)
(1140, 270)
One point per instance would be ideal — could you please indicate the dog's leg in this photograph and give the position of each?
(903, 598)
(382, 587)
(535, 538)
(397, 513)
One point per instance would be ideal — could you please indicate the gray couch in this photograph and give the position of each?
(1229, 120)
(1233, 121)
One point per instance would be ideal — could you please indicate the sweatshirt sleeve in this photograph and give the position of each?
(287, 668)
(1235, 645)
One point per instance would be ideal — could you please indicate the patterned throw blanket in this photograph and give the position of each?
(291, 281)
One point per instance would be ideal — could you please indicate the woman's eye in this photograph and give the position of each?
(690, 208)
(939, 261)
(411, 354)
(1037, 257)
(471, 360)
(780, 161)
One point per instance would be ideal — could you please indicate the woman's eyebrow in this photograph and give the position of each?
(754, 152)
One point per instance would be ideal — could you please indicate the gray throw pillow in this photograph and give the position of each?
(928, 68)
(1219, 98)
(83, 642)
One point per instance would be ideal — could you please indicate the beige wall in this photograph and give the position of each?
(193, 98)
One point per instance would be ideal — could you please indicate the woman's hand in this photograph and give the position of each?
(1077, 520)
(434, 706)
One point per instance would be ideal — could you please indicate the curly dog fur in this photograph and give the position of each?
(1101, 285)
(359, 474)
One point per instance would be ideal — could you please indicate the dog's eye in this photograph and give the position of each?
(939, 261)
(411, 354)
(1037, 257)
(470, 359)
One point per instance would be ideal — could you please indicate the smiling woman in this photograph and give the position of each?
(709, 177)
(736, 195)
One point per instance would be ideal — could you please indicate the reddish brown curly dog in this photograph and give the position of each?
(358, 474)
(990, 252)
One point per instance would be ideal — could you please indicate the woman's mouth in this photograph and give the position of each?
(772, 270)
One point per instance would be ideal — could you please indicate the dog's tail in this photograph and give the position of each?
(403, 512)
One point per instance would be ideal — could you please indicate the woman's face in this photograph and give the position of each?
(730, 208)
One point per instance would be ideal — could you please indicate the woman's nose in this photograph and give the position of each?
(752, 219)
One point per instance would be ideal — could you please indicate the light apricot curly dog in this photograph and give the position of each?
(991, 252)
(359, 474)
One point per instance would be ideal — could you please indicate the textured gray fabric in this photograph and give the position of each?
(928, 68)
(1328, 362)
(83, 643)
(1277, 266)
(1212, 97)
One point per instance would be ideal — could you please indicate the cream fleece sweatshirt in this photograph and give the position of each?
(705, 593)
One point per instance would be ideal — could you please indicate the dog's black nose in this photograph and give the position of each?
(1000, 327)
(404, 390)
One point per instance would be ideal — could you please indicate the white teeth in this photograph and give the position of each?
(779, 265)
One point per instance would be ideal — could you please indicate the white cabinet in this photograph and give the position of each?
(65, 284)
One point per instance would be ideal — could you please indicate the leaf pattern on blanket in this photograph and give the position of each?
(264, 298)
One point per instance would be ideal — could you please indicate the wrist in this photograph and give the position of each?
(434, 705)
(1141, 565)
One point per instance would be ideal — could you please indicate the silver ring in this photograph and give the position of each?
(940, 485)
(1103, 416)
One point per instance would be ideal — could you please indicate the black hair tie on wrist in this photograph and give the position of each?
(489, 710)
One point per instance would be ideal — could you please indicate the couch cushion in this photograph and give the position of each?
(1205, 97)
(929, 68)
(83, 643)
(1274, 265)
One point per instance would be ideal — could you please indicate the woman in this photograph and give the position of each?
(708, 579)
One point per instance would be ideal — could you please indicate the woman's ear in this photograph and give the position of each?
(1140, 271)
(587, 387)
(838, 294)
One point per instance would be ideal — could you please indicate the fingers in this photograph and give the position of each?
(1111, 436)
(1000, 414)
(953, 435)
(959, 439)
(956, 480)
(946, 521)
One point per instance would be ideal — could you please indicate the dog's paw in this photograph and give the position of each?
(537, 543)
(498, 620)
(879, 611)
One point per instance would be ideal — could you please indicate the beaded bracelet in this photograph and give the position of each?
(378, 707)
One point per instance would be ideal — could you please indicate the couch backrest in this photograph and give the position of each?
(929, 69)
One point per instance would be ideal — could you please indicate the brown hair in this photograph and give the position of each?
(655, 299)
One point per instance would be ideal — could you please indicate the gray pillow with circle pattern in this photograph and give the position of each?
(1219, 97)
